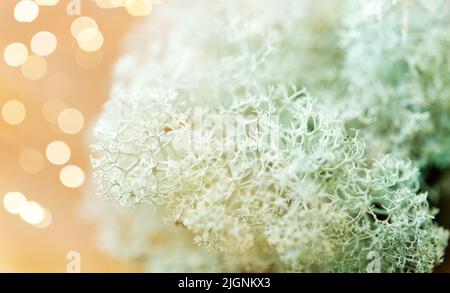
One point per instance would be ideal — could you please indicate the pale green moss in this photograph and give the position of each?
(397, 68)
(294, 185)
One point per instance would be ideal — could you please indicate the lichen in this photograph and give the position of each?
(212, 132)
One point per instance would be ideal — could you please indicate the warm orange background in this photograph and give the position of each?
(24, 248)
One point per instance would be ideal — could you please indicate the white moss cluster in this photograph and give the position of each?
(396, 68)
(144, 240)
(208, 135)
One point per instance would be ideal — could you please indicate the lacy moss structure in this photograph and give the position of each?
(397, 68)
(222, 161)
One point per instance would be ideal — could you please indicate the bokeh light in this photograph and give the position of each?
(47, 2)
(26, 11)
(109, 3)
(134, 7)
(71, 121)
(58, 152)
(14, 112)
(14, 202)
(34, 68)
(81, 23)
(72, 176)
(46, 220)
(90, 39)
(138, 7)
(32, 213)
(15, 54)
(44, 43)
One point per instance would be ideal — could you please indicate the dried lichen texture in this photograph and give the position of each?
(276, 41)
(208, 129)
(144, 240)
(397, 66)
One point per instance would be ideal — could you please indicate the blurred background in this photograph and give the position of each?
(57, 58)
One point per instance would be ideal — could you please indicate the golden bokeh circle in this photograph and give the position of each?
(34, 68)
(14, 112)
(70, 121)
